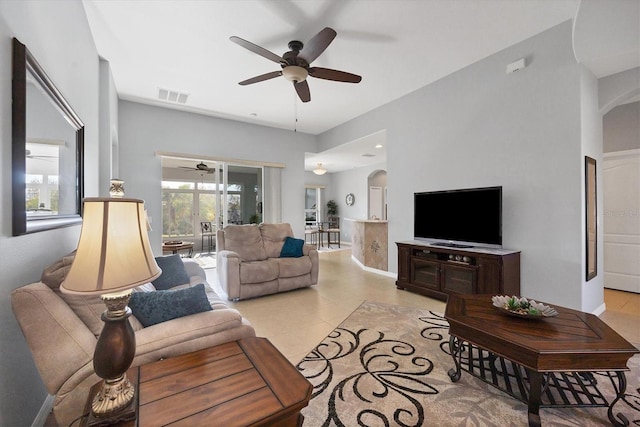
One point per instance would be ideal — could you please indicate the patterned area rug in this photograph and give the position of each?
(387, 366)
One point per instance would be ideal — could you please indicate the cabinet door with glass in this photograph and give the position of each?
(459, 278)
(425, 273)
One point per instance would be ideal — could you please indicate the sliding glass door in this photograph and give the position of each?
(244, 194)
(196, 201)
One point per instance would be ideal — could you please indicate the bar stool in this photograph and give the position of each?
(311, 235)
(206, 233)
(334, 228)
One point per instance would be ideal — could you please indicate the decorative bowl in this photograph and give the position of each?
(522, 307)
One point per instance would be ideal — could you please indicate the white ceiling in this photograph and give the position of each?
(397, 46)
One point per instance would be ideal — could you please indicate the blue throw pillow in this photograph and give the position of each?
(292, 248)
(159, 306)
(173, 272)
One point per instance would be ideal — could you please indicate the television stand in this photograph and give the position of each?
(437, 271)
(452, 245)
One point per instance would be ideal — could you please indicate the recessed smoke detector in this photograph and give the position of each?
(368, 155)
(172, 96)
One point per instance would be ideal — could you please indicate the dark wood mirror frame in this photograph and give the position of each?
(24, 63)
(591, 220)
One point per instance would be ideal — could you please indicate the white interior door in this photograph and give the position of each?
(621, 181)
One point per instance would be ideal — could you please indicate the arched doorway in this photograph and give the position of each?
(377, 195)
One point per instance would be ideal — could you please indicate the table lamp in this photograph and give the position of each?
(113, 256)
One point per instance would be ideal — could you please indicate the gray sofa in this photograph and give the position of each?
(61, 331)
(249, 262)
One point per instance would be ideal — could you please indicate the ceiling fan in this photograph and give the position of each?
(201, 167)
(29, 155)
(296, 63)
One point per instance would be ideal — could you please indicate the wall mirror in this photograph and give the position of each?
(47, 150)
(591, 218)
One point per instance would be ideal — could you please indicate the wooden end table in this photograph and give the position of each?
(526, 358)
(242, 383)
(174, 248)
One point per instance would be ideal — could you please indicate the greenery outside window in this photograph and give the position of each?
(180, 211)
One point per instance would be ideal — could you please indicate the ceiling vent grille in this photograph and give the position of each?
(172, 96)
(368, 155)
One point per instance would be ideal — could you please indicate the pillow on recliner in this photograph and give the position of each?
(155, 307)
(292, 248)
(173, 272)
(54, 274)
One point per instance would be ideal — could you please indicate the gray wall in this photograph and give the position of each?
(621, 128)
(144, 130)
(58, 35)
(108, 135)
(352, 181)
(591, 292)
(617, 89)
(482, 127)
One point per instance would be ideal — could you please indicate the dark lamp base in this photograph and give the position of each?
(113, 396)
(128, 413)
(115, 349)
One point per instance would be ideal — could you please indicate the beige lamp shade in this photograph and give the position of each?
(114, 253)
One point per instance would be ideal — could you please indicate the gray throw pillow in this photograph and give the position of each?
(173, 272)
(155, 307)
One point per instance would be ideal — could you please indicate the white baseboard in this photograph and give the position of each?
(44, 411)
(375, 270)
(598, 311)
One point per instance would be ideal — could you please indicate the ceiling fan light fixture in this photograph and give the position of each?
(295, 73)
(319, 170)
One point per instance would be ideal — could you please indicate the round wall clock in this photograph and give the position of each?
(350, 199)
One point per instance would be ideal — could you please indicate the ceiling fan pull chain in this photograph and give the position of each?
(295, 113)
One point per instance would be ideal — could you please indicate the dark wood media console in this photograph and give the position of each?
(438, 271)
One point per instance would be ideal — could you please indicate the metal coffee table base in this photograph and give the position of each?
(536, 389)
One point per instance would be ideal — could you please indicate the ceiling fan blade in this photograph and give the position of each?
(261, 78)
(303, 90)
(335, 75)
(317, 45)
(257, 49)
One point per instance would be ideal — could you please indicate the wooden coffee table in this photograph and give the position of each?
(242, 383)
(544, 362)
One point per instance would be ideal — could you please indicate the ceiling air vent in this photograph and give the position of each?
(368, 155)
(172, 96)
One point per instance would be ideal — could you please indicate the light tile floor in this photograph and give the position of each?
(623, 314)
(297, 321)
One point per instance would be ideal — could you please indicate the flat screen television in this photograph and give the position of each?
(459, 218)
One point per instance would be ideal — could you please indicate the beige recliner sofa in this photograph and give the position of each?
(249, 262)
(62, 330)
